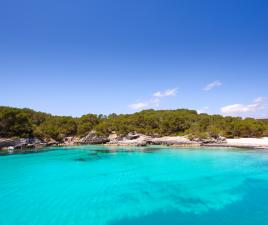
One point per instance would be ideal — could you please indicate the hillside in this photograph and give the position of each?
(15, 122)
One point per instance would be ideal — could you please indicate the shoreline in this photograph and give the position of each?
(136, 140)
(51, 148)
(236, 146)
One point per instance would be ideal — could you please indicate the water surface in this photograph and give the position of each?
(123, 186)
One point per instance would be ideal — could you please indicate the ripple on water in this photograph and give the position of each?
(175, 187)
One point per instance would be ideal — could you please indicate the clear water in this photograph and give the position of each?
(154, 185)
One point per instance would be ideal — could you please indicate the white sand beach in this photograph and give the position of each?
(248, 142)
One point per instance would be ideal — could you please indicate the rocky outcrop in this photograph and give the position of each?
(115, 137)
(69, 141)
(7, 142)
(52, 142)
(19, 143)
(93, 138)
(218, 140)
(135, 139)
(174, 141)
(130, 140)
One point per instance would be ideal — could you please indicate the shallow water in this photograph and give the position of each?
(122, 186)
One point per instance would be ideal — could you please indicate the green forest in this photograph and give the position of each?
(15, 122)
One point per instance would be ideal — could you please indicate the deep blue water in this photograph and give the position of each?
(130, 186)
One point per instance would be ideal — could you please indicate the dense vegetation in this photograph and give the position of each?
(16, 122)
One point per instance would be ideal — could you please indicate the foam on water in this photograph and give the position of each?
(100, 185)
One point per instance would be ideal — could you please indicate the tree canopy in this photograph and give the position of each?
(15, 122)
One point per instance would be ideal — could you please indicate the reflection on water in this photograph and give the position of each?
(101, 185)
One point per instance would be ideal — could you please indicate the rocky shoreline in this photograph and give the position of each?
(143, 140)
(131, 139)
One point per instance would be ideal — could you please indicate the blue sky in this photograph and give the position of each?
(102, 56)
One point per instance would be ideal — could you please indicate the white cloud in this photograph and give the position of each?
(166, 93)
(155, 101)
(240, 109)
(213, 85)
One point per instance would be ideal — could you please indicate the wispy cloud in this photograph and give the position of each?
(243, 109)
(138, 105)
(203, 110)
(212, 85)
(155, 101)
(166, 93)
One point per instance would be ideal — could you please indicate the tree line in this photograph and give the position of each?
(15, 122)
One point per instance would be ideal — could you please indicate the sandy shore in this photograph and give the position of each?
(261, 143)
(249, 142)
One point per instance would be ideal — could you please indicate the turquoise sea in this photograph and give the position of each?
(97, 185)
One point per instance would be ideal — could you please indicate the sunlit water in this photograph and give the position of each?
(95, 185)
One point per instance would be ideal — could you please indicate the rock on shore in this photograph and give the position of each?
(135, 139)
(174, 141)
(93, 138)
(129, 140)
(18, 143)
